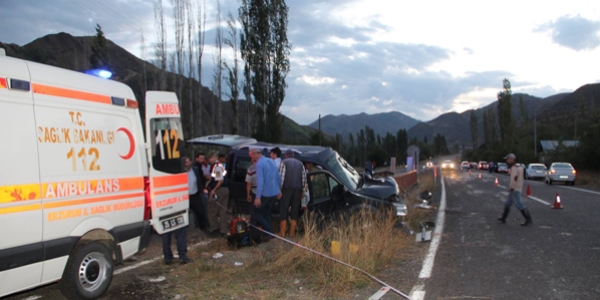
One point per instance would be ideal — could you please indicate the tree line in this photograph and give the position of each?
(504, 133)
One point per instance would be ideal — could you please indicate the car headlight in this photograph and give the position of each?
(451, 165)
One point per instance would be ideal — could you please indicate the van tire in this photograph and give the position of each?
(88, 272)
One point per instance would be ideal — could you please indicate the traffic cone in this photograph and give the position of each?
(496, 182)
(479, 176)
(528, 193)
(557, 204)
(469, 172)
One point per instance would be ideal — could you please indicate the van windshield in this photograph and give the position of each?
(343, 171)
(167, 145)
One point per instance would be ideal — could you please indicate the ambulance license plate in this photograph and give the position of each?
(174, 222)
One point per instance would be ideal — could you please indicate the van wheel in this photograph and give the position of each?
(88, 272)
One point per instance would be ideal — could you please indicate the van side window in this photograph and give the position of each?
(320, 188)
(167, 145)
(241, 167)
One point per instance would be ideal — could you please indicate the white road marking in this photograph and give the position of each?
(538, 200)
(145, 262)
(418, 291)
(501, 186)
(581, 190)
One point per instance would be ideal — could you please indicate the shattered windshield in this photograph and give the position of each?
(343, 171)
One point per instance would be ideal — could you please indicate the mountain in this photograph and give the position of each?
(457, 129)
(381, 123)
(69, 52)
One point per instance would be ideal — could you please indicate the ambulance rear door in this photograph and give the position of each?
(168, 182)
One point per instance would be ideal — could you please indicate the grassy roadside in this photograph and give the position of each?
(588, 178)
(276, 270)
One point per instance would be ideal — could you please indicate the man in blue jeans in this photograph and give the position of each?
(514, 194)
(267, 190)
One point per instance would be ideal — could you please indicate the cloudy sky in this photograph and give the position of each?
(422, 58)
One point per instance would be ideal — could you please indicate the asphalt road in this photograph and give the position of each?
(558, 257)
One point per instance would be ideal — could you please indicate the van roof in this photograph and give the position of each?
(63, 78)
(237, 142)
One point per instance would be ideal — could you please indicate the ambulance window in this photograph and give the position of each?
(167, 141)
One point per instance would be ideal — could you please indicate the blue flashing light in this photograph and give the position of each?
(106, 74)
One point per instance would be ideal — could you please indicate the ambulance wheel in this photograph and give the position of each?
(88, 272)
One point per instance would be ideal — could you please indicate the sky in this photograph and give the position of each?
(421, 58)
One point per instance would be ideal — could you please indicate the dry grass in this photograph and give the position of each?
(588, 178)
(277, 270)
(415, 216)
(374, 236)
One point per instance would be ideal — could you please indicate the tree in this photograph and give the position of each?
(161, 45)
(505, 118)
(218, 73)
(99, 56)
(201, 24)
(233, 72)
(402, 144)
(266, 49)
(246, 56)
(474, 133)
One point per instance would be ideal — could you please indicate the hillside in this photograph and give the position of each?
(381, 123)
(457, 129)
(69, 52)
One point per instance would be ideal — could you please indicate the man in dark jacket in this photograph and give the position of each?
(293, 180)
(199, 204)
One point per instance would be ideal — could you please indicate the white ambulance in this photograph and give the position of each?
(80, 187)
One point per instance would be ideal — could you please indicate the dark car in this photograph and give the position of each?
(334, 185)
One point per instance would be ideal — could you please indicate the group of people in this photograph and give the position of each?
(272, 180)
(267, 181)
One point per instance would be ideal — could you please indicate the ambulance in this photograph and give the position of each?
(81, 184)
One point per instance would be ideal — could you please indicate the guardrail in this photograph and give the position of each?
(406, 180)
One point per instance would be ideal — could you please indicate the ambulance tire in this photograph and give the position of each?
(88, 272)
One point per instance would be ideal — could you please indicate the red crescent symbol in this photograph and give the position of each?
(131, 143)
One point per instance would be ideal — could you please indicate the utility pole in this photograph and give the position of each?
(320, 130)
(535, 131)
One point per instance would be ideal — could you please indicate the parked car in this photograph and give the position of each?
(502, 168)
(483, 165)
(465, 165)
(447, 164)
(535, 171)
(561, 172)
(334, 185)
(473, 165)
(429, 165)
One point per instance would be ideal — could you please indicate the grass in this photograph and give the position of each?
(277, 270)
(415, 216)
(588, 178)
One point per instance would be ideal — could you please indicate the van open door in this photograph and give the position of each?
(167, 182)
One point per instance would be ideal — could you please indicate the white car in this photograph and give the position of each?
(465, 165)
(447, 164)
(535, 171)
(561, 171)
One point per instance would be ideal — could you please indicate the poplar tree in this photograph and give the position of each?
(99, 56)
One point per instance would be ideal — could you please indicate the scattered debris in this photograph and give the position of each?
(217, 255)
(158, 279)
(238, 264)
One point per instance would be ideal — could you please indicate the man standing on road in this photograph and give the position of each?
(293, 179)
(515, 188)
(181, 233)
(268, 183)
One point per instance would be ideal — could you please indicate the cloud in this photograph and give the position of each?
(574, 32)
